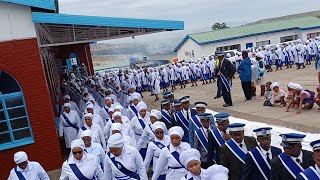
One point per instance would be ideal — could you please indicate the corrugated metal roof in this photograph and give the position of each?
(302, 23)
(53, 18)
(44, 4)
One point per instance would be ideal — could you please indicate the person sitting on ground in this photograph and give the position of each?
(317, 99)
(303, 98)
(268, 93)
(190, 159)
(278, 95)
(290, 92)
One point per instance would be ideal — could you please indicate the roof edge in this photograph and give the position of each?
(43, 4)
(183, 41)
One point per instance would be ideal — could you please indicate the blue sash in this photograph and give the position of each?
(225, 82)
(260, 162)
(19, 174)
(310, 173)
(158, 144)
(292, 166)
(236, 150)
(216, 134)
(83, 128)
(166, 116)
(123, 169)
(176, 155)
(107, 110)
(183, 120)
(142, 123)
(77, 172)
(202, 138)
(186, 177)
(196, 121)
(68, 121)
(134, 110)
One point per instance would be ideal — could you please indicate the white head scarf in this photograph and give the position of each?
(91, 106)
(177, 130)
(290, 85)
(116, 114)
(135, 95)
(67, 105)
(116, 126)
(88, 115)
(66, 97)
(189, 155)
(297, 87)
(156, 113)
(20, 157)
(158, 125)
(141, 105)
(86, 133)
(108, 97)
(116, 141)
(77, 143)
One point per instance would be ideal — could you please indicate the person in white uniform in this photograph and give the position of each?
(122, 161)
(191, 160)
(169, 156)
(105, 110)
(96, 118)
(80, 165)
(155, 146)
(74, 106)
(26, 169)
(139, 123)
(92, 147)
(117, 128)
(69, 124)
(97, 134)
(126, 128)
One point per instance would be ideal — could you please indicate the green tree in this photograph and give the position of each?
(217, 26)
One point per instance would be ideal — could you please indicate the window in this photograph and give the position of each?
(231, 47)
(262, 43)
(288, 38)
(313, 35)
(15, 129)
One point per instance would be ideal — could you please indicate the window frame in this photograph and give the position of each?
(21, 142)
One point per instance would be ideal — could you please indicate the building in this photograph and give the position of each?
(34, 40)
(197, 45)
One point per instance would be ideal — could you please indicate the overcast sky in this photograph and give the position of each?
(198, 15)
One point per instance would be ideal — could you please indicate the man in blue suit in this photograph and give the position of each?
(257, 163)
(184, 116)
(195, 123)
(313, 172)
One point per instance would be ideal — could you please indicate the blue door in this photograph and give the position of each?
(249, 45)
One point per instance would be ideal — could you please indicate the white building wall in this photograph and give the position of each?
(208, 49)
(189, 45)
(15, 22)
(304, 33)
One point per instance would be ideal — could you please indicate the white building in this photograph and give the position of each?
(197, 45)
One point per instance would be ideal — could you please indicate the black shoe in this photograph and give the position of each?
(227, 105)
(217, 97)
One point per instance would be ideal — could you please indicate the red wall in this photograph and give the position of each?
(21, 60)
(63, 53)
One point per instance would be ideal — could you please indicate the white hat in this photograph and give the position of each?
(177, 130)
(158, 125)
(116, 126)
(156, 113)
(91, 106)
(20, 157)
(116, 141)
(189, 155)
(86, 133)
(67, 105)
(260, 55)
(274, 84)
(297, 87)
(135, 96)
(108, 97)
(77, 143)
(116, 114)
(141, 105)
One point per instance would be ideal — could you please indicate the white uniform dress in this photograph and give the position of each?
(167, 161)
(130, 159)
(146, 137)
(213, 172)
(97, 150)
(97, 134)
(33, 171)
(96, 119)
(126, 130)
(153, 152)
(88, 166)
(66, 130)
(137, 128)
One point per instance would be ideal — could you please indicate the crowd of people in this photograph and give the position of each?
(110, 133)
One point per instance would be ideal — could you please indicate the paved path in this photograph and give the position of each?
(307, 121)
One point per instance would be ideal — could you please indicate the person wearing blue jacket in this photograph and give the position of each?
(245, 75)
